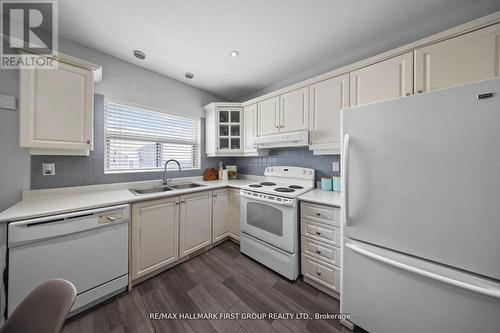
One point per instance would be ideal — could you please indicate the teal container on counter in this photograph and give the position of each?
(326, 183)
(336, 184)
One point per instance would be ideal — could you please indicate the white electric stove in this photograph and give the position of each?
(270, 220)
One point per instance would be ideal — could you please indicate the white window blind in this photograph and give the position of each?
(137, 139)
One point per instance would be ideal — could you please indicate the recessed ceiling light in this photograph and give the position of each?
(189, 75)
(234, 54)
(139, 54)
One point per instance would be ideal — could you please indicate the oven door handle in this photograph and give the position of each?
(288, 202)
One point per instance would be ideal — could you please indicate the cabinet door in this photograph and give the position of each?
(234, 213)
(388, 79)
(267, 116)
(327, 99)
(155, 227)
(250, 121)
(220, 220)
(471, 57)
(56, 108)
(195, 222)
(230, 125)
(294, 110)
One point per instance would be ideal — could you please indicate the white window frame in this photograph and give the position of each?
(149, 109)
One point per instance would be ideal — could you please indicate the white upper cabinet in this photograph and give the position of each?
(195, 222)
(230, 125)
(294, 110)
(155, 227)
(56, 110)
(230, 130)
(388, 79)
(224, 134)
(467, 58)
(327, 99)
(268, 116)
(288, 112)
(250, 121)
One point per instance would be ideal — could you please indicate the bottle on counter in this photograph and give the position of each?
(221, 171)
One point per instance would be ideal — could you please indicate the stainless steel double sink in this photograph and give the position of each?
(164, 188)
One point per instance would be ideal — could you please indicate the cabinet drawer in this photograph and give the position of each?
(322, 251)
(319, 231)
(320, 272)
(320, 213)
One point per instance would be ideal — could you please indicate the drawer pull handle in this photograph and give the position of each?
(318, 233)
(318, 251)
(318, 273)
(318, 214)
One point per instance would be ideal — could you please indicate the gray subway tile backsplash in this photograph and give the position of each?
(89, 170)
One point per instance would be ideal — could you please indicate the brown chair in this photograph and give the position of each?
(43, 310)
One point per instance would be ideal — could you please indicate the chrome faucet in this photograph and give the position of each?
(165, 180)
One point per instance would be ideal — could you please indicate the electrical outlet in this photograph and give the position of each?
(48, 169)
(336, 167)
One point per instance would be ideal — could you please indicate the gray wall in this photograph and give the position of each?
(126, 81)
(121, 80)
(83, 170)
(14, 161)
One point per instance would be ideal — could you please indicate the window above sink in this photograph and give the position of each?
(138, 139)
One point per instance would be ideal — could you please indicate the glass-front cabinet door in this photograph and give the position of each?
(229, 129)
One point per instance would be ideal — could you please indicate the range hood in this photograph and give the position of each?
(292, 139)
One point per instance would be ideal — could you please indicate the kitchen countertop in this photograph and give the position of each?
(39, 203)
(321, 197)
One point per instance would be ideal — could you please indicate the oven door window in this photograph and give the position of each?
(265, 217)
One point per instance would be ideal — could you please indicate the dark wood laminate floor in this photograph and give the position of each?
(218, 281)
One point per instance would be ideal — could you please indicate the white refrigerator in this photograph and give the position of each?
(421, 212)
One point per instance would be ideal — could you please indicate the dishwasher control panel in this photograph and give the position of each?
(22, 232)
(109, 217)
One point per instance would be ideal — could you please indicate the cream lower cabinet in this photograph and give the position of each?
(195, 227)
(327, 98)
(155, 229)
(56, 110)
(234, 213)
(467, 58)
(320, 247)
(387, 79)
(226, 214)
(166, 230)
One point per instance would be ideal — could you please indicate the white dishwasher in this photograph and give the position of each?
(88, 248)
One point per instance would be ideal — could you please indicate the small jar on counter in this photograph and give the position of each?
(232, 171)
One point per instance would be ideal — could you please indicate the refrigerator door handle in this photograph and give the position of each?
(345, 180)
(443, 279)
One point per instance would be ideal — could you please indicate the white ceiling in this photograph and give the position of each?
(280, 41)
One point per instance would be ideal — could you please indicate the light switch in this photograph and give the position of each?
(48, 169)
(336, 167)
(8, 102)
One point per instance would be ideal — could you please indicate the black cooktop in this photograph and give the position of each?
(284, 189)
